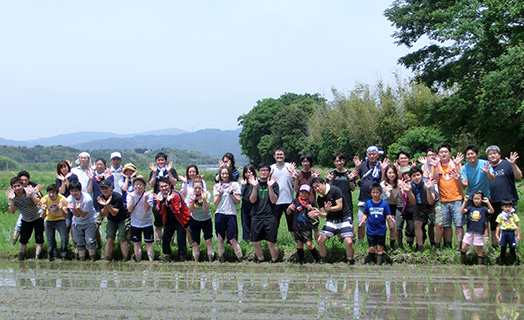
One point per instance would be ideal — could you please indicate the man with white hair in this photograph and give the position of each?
(83, 170)
(505, 171)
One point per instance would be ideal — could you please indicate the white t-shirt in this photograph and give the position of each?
(140, 218)
(87, 206)
(227, 205)
(285, 183)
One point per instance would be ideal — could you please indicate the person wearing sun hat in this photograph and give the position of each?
(139, 202)
(126, 181)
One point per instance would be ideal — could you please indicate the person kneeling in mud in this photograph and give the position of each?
(376, 211)
(302, 226)
(335, 209)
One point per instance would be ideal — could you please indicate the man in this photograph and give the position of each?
(160, 170)
(369, 171)
(116, 170)
(112, 207)
(477, 173)
(281, 171)
(84, 171)
(505, 171)
(336, 210)
(264, 224)
(451, 195)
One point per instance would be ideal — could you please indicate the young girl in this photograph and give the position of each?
(226, 196)
(477, 224)
(247, 206)
(391, 193)
(139, 202)
(201, 219)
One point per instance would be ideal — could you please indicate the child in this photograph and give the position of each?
(26, 201)
(201, 219)
(507, 225)
(54, 212)
(139, 202)
(376, 211)
(477, 224)
(84, 220)
(226, 196)
(302, 226)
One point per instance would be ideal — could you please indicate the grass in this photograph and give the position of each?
(285, 242)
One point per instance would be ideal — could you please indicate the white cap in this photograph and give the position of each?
(115, 154)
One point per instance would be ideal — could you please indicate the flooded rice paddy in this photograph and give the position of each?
(100, 290)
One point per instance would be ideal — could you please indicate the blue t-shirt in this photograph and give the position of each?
(477, 179)
(376, 212)
(476, 219)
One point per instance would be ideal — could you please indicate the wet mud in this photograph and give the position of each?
(101, 290)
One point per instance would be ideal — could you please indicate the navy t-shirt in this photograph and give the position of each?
(376, 212)
(341, 180)
(504, 185)
(476, 219)
(332, 196)
(367, 179)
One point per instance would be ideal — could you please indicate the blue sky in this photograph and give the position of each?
(134, 66)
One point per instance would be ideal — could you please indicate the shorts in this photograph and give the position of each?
(430, 215)
(400, 218)
(451, 211)
(27, 228)
(112, 227)
(507, 237)
(473, 238)
(264, 230)
(376, 240)
(205, 226)
(84, 234)
(333, 227)
(303, 236)
(280, 209)
(136, 234)
(158, 223)
(226, 224)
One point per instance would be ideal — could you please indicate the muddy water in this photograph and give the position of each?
(248, 291)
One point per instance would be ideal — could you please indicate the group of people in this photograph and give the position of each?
(420, 202)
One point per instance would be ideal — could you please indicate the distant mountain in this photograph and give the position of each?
(213, 142)
(71, 139)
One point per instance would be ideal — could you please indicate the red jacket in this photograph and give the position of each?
(178, 207)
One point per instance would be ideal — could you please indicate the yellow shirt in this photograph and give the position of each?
(53, 212)
(510, 224)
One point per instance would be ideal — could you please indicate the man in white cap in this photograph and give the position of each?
(369, 172)
(116, 170)
(83, 170)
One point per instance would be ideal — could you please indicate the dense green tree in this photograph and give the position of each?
(277, 122)
(416, 141)
(475, 51)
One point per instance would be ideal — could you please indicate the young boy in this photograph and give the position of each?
(477, 224)
(54, 213)
(84, 220)
(112, 207)
(199, 201)
(139, 202)
(376, 211)
(507, 226)
(26, 201)
(302, 226)
(424, 196)
(336, 210)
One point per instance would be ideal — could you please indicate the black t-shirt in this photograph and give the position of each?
(263, 208)
(367, 178)
(341, 180)
(117, 202)
(504, 185)
(476, 219)
(301, 221)
(332, 196)
(172, 172)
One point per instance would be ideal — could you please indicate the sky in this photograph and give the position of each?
(135, 66)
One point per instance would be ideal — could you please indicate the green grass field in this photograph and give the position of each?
(285, 243)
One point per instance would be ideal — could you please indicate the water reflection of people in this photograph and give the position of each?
(508, 304)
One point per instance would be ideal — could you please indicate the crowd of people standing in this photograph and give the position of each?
(415, 202)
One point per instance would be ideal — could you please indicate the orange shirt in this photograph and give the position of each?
(449, 188)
